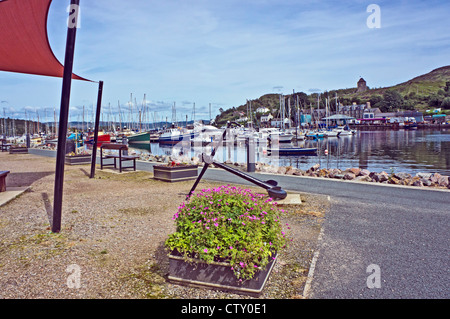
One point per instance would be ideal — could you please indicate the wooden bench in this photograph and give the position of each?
(118, 156)
(5, 146)
(3, 175)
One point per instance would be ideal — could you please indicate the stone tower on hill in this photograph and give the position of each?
(362, 87)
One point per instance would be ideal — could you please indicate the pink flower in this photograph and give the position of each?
(231, 247)
(205, 250)
(215, 224)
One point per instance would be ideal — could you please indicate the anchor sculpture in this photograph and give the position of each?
(274, 191)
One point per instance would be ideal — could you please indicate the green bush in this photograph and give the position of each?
(229, 224)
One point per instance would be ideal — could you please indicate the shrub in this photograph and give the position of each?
(229, 224)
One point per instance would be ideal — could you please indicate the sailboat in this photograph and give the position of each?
(139, 138)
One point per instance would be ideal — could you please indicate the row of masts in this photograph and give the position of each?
(32, 125)
(137, 118)
(285, 112)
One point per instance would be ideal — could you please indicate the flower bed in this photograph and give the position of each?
(78, 159)
(229, 224)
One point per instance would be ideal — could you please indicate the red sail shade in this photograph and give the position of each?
(24, 45)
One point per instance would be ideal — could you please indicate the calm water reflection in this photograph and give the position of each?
(409, 151)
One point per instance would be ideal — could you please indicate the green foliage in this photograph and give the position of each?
(375, 99)
(229, 224)
(435, 100)
(446, 103)
(392, 100)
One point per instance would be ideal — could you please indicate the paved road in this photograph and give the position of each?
(404, 231)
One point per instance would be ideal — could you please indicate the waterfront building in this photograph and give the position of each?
(266, 118)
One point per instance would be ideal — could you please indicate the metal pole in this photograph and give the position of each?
(251, 165)
(97, 121)
(63, 117)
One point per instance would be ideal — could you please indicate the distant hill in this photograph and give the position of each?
(431, 90)
(424, 84)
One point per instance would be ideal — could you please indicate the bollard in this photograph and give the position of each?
(250, 143)
(125, 141)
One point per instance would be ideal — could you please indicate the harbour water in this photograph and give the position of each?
(409, 151)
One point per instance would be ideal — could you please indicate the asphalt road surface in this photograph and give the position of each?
(378, 241)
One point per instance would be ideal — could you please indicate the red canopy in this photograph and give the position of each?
(24, 45)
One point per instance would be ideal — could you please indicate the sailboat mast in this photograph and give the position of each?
(318, 110)
(120, 117)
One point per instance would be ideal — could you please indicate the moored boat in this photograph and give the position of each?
(139, 138)
(293, 151)
(102, 138)
(173, 136)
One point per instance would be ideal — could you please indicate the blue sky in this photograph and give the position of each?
(225, 52)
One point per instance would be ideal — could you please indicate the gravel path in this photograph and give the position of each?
(113, 232)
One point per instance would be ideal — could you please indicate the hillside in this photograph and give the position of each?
(430, 90)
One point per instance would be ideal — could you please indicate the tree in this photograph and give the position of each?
(446, 103)
(435, 100)
(356, 100)
(375, 99)
(392, 100)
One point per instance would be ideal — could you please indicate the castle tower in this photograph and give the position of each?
(362, 87)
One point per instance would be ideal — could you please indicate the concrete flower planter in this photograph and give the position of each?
(216, 275)
(18, 150)
(175, 173)
(78, 159)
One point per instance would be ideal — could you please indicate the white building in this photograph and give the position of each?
(266, 118)
(262, 110)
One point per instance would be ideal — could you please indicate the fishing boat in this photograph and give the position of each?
(293, 151)
(102, 138)
(409, 124)
(139, 138)
(175, 135)
(36, 140)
